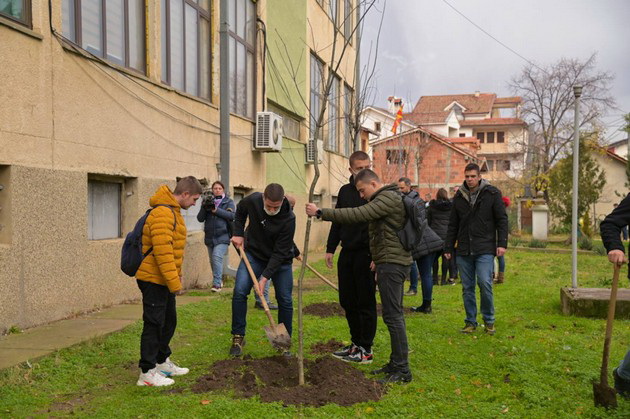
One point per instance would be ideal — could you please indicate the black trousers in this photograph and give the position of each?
(391, 279)
(159, 314)
(449, 267)
(357, 295)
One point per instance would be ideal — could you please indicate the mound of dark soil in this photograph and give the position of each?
(334, 309)
(322, 348)
(275, 378)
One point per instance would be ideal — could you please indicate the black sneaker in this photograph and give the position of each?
(424, 308)
(360, 356)
(259, 305)
(238, 342)
(385, 369)
(622, 386)
(345, 351)
(396, 377)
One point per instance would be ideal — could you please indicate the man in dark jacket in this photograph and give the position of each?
(268, 244)
(611, 230)
(404, 186)
(479, 225)
(357, 288)
(217, 214)
(386, 215)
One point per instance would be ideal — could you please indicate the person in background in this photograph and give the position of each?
(217, 214)
(404, 186)
(438, 214)
(610, 230)
(499, 278)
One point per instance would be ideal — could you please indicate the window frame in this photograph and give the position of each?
(78, 33)
(490, 137)
(248, 49)
(348, 19)
(500, 137)
(27, 15)
(481, 136)
(112, 181)
(347, 113)
(165, 23)
(333, 114)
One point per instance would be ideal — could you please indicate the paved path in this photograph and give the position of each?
(42, 340)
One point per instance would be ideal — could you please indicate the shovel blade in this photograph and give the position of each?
(278, 336)
(604, 396)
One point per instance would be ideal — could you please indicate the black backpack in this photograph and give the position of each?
(410, 235)
(131, 255)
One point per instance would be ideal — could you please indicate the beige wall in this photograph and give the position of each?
(64, 118)
(615, 183)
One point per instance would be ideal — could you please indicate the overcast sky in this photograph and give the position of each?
(427, 48)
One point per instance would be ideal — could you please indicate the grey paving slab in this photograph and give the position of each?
(12, 357)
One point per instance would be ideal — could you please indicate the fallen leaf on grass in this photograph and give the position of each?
(458, 391)
(507, 409)
(452, 378)
(369, 410)
(205, 402)
(476, 383)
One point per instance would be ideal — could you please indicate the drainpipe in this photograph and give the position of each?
(224, 96)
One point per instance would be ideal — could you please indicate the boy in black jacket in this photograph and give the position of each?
(357, 289)
(268, 245)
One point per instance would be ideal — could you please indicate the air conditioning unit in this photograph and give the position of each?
(310, 151)
(268, 132)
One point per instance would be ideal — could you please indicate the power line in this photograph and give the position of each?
(495, 39)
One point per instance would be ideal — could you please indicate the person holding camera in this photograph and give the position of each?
(217, 214)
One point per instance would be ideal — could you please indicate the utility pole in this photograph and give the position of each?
(224, 95)
(577, 92)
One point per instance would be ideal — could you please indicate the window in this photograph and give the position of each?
(316, 96)
(506, 165)
(377, 127)
(103, 209)
(481, 136)
(290, 125)
(332, 11)
(500, 137)
(333, 115)
(490, 137)
(347, 109)
(242, 20)
(185, 43)
(190, 217)
(18, 10)
(490, 164)
(396, 156)
(347, 20)
(109, 29)
(462, 135)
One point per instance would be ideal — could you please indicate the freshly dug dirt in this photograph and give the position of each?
(275, 378)
(334, 309)
(323, 348)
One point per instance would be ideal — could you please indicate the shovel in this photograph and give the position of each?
(322, 277)
(276, 333)
(604, 395)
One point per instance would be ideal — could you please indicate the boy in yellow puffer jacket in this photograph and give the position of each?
(160, 279)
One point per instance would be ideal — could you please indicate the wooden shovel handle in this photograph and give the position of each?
(609, 325)
(256, 288)
(322, 277)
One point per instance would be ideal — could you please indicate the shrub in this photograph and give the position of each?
(600, 249)
(538, 244)
(560, 229)
(515, 241)
(585, 242)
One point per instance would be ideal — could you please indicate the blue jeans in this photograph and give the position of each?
(265, 293)
(282, 283)
(624, 367)
(216, 255)
(501, 260)
(425, 270)
(477, 270)
(413, 277)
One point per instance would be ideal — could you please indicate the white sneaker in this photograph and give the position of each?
(153, 378)
(168, 369)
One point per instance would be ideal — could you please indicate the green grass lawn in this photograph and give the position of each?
(539, 364)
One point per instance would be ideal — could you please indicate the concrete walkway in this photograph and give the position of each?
(43, 340)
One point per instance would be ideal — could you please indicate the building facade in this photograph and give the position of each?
(105, 101)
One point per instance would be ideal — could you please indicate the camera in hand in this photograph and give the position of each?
(208, 202)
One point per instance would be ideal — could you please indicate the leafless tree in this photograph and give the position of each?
(548, 104)
(335, 52)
